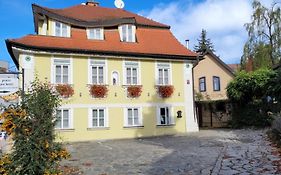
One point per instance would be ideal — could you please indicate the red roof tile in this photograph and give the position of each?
(92, 13)
(149, 41)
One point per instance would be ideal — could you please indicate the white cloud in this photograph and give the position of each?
(223, 19)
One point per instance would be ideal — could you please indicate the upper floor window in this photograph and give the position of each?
(97, 71)
(61, 71)
(216, 83)
(127, 33)
(202, 84)
(61, 29)
(132, 73)
(163, 74)
(95, 33)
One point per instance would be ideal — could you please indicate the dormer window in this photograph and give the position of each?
(95, 33)
(127, 33)
(61, 29)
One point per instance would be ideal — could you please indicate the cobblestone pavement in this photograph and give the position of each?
(213, 152)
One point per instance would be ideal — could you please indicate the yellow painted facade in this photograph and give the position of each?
(117, 100)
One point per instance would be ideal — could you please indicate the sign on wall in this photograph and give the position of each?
(8, 86)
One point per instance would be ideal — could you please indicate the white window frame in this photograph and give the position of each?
(120, 28)
(131, 64)
(61, 31)
(64, 61)
(171, 117)
(163, 66)
(90, 117)
(95, 36)
(70, 119)
(126, 124)
(98, 63)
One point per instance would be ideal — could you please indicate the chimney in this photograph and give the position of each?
(92, 3)
(187, 43)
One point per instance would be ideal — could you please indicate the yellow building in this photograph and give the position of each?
(130, 76)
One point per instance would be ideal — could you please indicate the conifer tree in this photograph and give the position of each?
(204, 43)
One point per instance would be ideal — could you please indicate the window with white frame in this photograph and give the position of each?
(61, 29)
(98, 118)
(131, 73)
(133, 117)
(163, 74)
(164, 116)
(95, 33)
(97, 71)
(61, 71)
(63, 118)
(127, 33)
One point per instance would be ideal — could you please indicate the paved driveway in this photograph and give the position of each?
(207, 152)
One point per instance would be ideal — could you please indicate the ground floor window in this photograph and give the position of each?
(164, 116)
(98, 118)
(133, 117)
(62, 119)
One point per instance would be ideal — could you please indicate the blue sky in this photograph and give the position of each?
(223, 20)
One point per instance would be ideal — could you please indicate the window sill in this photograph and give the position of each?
(166, 126)
(132, 127)
(98, 128)
(65, 130)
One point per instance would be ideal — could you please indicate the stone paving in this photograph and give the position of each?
(223, 152)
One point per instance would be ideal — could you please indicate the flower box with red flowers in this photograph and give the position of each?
(134, 91)
(165, 91)
(98, 91)
(64, 90)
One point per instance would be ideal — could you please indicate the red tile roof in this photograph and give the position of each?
(149, 41)
(88, 13)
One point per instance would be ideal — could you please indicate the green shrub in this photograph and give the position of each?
(30, 124)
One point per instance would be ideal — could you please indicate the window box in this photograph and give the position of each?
(64, 90)
(98, 91)
(134, 91)
(165, 91)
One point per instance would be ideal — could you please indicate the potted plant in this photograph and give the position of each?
(134, 91)
(165, 91)
(65, 90)
(98, 91)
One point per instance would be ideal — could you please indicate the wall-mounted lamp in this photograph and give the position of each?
(179, 114)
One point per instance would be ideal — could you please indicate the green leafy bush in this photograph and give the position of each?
(30, 124)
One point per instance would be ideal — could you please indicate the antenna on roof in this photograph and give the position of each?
(119, 4)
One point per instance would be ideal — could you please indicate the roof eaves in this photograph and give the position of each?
(10, 51)
(83, 51)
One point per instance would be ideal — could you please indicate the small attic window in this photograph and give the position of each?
(61, 29)
(127, 33)
(95, 33)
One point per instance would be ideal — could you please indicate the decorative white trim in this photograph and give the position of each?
(118, 80)
(123, 105)
(91, 55)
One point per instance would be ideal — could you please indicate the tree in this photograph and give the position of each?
(30, 124)
(264, 36)
(204, 43)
